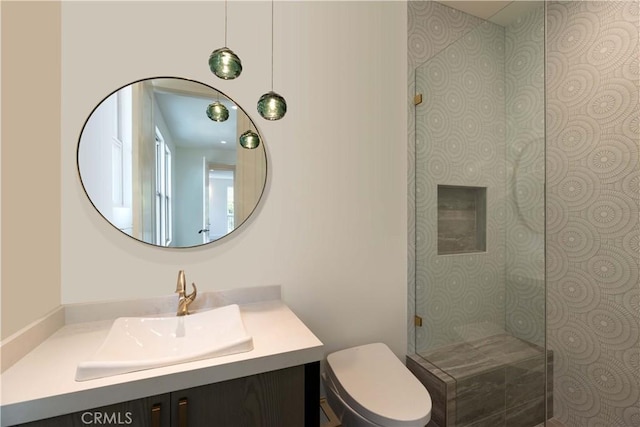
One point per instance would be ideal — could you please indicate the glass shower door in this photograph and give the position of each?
(480, 239)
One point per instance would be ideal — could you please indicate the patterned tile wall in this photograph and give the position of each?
(593, 191)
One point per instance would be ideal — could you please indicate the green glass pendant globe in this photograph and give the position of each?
(217, 112)
(225, 64)
(272, 106)
(249, 140)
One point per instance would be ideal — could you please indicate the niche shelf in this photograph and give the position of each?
(462, 219)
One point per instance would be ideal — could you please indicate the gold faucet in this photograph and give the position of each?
(184, 300)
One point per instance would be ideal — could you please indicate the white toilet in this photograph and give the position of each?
(368, 386)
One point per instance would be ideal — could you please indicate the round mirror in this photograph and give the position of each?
(156, 165)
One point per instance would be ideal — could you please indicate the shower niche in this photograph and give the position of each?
(462, 219)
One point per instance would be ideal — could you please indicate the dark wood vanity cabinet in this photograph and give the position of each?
(283, 398)
(276, 398)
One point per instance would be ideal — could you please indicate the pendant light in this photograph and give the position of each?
(216, 111)
(272, 106)
(223, 62)
(249, 140)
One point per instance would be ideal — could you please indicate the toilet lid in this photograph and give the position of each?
(373, 381)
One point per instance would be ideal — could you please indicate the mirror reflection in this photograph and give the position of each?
(157, 168)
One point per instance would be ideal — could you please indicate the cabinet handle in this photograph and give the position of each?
(155, 415)
(182, 412)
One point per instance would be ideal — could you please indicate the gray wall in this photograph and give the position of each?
(593, 188)
(30, 225)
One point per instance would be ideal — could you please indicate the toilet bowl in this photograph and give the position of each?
(368, 386)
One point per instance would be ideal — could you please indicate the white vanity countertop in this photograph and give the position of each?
(42, 384)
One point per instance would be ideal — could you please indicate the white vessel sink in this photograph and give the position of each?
(138, 343)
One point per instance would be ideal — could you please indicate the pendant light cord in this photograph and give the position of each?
(225, 23)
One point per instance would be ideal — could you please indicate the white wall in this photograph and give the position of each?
(189, 169)
(217, 200)
(331, 228)
(95, 158)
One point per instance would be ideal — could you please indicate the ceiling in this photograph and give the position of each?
(479, 8)
(498, 12)
(183, 104)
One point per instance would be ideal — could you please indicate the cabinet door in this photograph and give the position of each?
(271, 399)
(148, 412)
